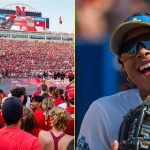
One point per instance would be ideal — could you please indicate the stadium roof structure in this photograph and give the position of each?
(29, 10)
(11, 6)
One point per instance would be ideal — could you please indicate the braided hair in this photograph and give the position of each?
(47, 105)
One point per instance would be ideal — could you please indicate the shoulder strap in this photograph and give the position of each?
(56, 139)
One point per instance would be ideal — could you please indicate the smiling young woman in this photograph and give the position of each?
(131, 43)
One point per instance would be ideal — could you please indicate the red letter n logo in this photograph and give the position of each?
(19, 11)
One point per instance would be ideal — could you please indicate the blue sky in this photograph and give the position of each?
(52, 9)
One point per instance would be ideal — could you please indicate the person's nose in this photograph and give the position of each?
(143, 52)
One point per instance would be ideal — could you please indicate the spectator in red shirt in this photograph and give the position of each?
(15, 56)
(12, 137)
(47, 106)
(71, 102)
(57, 98)
(37, 92)
(3, 93)
(70, 85)
(70, 127)
(41, 89)
(36, 105)
(1, 117)
(41, 105)
(29, 123)
(51, 90)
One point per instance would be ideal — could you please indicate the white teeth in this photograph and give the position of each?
(144, 67)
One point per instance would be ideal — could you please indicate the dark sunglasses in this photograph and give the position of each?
(132, 46)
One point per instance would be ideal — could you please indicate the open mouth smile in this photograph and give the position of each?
(145, 69)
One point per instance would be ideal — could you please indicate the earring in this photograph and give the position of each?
(128, 79)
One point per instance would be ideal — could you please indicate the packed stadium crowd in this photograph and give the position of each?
(46, 117)
(21, 57)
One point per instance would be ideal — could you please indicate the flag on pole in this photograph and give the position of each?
(60, 20)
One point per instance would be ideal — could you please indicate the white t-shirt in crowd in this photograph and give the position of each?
(28, 104)
(101, 124)
(63, 105)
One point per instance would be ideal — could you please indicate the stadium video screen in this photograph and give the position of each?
(22, 23)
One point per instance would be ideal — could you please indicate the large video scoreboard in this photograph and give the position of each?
(21, 22)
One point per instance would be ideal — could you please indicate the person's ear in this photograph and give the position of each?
(119, 61)
(41, 104)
